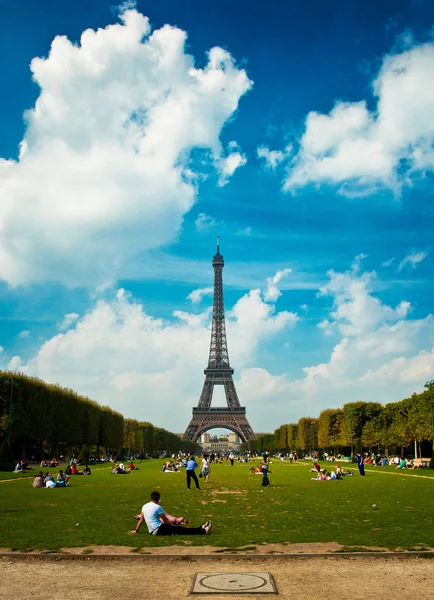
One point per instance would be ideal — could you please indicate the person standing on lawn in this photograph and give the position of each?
(159, 524)
(360, 464)
(205, 467)
(191, 465)
(231, 458)
(265, 480)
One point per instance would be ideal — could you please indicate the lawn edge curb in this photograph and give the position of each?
(222, 556)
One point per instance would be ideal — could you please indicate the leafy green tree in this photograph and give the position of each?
(307, 434)
(330, 423)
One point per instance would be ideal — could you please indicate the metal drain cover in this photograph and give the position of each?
(233, 583)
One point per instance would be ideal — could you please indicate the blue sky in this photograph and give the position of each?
(305, 140)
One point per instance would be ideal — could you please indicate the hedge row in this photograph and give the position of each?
(35, 413)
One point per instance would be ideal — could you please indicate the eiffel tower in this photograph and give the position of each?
(218, 372)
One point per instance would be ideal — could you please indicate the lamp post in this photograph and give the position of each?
(11, 407)
(430, 387)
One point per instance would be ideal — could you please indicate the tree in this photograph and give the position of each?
(356, 415)
(330, 424)
(307, 434)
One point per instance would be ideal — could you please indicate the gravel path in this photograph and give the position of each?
(171, 579)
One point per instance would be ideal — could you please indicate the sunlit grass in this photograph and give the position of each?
(98, 510)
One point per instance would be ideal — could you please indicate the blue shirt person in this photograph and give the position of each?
(191, 465)
(361, 465)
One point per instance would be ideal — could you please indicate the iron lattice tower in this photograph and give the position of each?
(219, 372)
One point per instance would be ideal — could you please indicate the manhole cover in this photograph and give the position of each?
(233, 583)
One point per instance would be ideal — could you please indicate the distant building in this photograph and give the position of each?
(205, 438)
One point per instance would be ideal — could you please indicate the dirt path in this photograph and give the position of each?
(171, 579)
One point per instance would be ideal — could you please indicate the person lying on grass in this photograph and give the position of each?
(158, 523)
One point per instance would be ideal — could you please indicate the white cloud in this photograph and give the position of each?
(362, 150)
(119, 355)
(24, 334)
(204, 222)
(196, 295)
(272, 292)
(356, 311)
(68, 320)
(412, 259)
(105, 169)
(382, 357)
(388, 263)
(15, 364)
(229, 164)
(272, 158)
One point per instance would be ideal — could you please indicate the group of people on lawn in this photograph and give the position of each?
(324, 475)
(62, 479)
(120, 469)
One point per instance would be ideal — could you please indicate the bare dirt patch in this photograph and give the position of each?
(312, 579)
(184, 547)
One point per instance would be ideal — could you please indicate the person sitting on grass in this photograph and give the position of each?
(87, 471)
(171, 519)
(19, 467)
(158, 523)
(132, 467)
(38, 480)
(402, 463)
(48, 477)
(62, 479)
(316, 468)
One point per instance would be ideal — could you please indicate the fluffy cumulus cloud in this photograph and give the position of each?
(356, 310)
(145, 367)
(378, 354)
(362, 150)
(106, 168)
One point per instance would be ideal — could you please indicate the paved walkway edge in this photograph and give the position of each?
(225, 556)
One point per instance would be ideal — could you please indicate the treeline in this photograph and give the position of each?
(357, 426)
(34, 414)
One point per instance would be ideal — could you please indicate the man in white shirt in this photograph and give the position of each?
(158, 524)
(231, 458)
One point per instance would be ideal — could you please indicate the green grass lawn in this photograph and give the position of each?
(97, 510)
